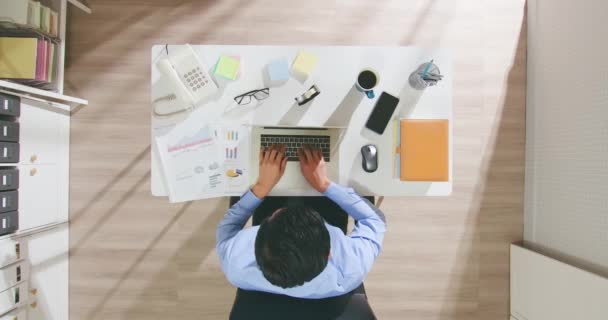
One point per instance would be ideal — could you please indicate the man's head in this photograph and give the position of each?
(292, 246)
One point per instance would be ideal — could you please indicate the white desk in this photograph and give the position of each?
(339, 104)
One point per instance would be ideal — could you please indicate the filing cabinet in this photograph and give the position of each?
(14, 297)
(17, 314)
(10, 105)
(34, 193)
(9, 222)
(9, 131)
(13, 274)
(34, 172)
(11, 251)
(9, 201)
(9, 178)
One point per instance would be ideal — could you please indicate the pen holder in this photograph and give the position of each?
(416, 80)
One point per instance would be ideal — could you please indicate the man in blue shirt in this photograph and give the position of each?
(294, 251)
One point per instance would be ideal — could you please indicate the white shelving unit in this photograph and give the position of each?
(34, 259)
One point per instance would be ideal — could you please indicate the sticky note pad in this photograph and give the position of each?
(278, 71)
(228, 67)
(304, 63)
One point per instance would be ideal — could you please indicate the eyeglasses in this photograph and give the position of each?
(245, 98)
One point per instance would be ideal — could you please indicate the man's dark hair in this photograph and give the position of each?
(292, 246)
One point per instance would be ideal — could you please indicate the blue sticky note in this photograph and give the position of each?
(278, 71)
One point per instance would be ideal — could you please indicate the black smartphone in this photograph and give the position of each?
(381, 115)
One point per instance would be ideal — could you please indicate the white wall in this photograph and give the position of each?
(566, 207)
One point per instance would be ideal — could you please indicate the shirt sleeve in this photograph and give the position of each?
(234, 220)
(366, 238)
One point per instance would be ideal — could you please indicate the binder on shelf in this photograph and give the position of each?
(52, 63)
(10, 105)
(28, 59)
(9, 201)
(18, 57)
(9, 152)
(33, 16)
(9, 131)
(9, 222)
(40, 60)
(15, 11)
(45, 18)
(54, 31)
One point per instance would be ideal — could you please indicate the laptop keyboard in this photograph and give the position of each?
(294, 142)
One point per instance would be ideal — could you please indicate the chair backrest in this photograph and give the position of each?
(260, 305)
(358, 308)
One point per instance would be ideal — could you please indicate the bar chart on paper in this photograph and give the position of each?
(204, 162)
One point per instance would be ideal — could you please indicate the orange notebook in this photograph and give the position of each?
(424, 150)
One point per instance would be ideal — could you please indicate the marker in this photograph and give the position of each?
(426, 69)
(226, 152)
(235, 149)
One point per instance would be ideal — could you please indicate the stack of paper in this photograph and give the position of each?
(202, 161)
(27, 59)
(278, 71)
(304, 64)
(228, 67)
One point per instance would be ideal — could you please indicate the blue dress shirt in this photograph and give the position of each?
(351, 257)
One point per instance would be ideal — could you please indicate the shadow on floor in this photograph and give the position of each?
(499, 213)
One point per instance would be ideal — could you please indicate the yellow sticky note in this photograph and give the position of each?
(304, 63)
(228, 67)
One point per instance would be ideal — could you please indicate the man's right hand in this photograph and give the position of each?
(314, 168)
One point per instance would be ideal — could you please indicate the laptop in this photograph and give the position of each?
(326, 139)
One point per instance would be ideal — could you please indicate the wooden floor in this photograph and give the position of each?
(134, 256)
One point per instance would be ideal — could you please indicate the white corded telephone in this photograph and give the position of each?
(187, 79)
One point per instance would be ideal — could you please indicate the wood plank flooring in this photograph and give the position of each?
(134, 256)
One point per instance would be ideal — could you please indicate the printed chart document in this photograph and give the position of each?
(205, 161)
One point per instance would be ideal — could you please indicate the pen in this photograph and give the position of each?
(426, 69)
(431, 74)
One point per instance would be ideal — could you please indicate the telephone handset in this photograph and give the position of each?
(187, 78)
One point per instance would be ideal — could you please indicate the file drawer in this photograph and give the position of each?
(19, 314)
(9, 201)
(14, 297)
(9, 131)
(11, 251)
(10, 105)
(9, 152)
(42, 130)
(9, 179)
(9, 222)
(40, 196)
(13, 274)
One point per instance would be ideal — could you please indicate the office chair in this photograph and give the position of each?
(253, 305)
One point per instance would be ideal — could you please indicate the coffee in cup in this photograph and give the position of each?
(367, 81)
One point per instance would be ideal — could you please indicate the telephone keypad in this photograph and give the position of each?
(196, 79)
